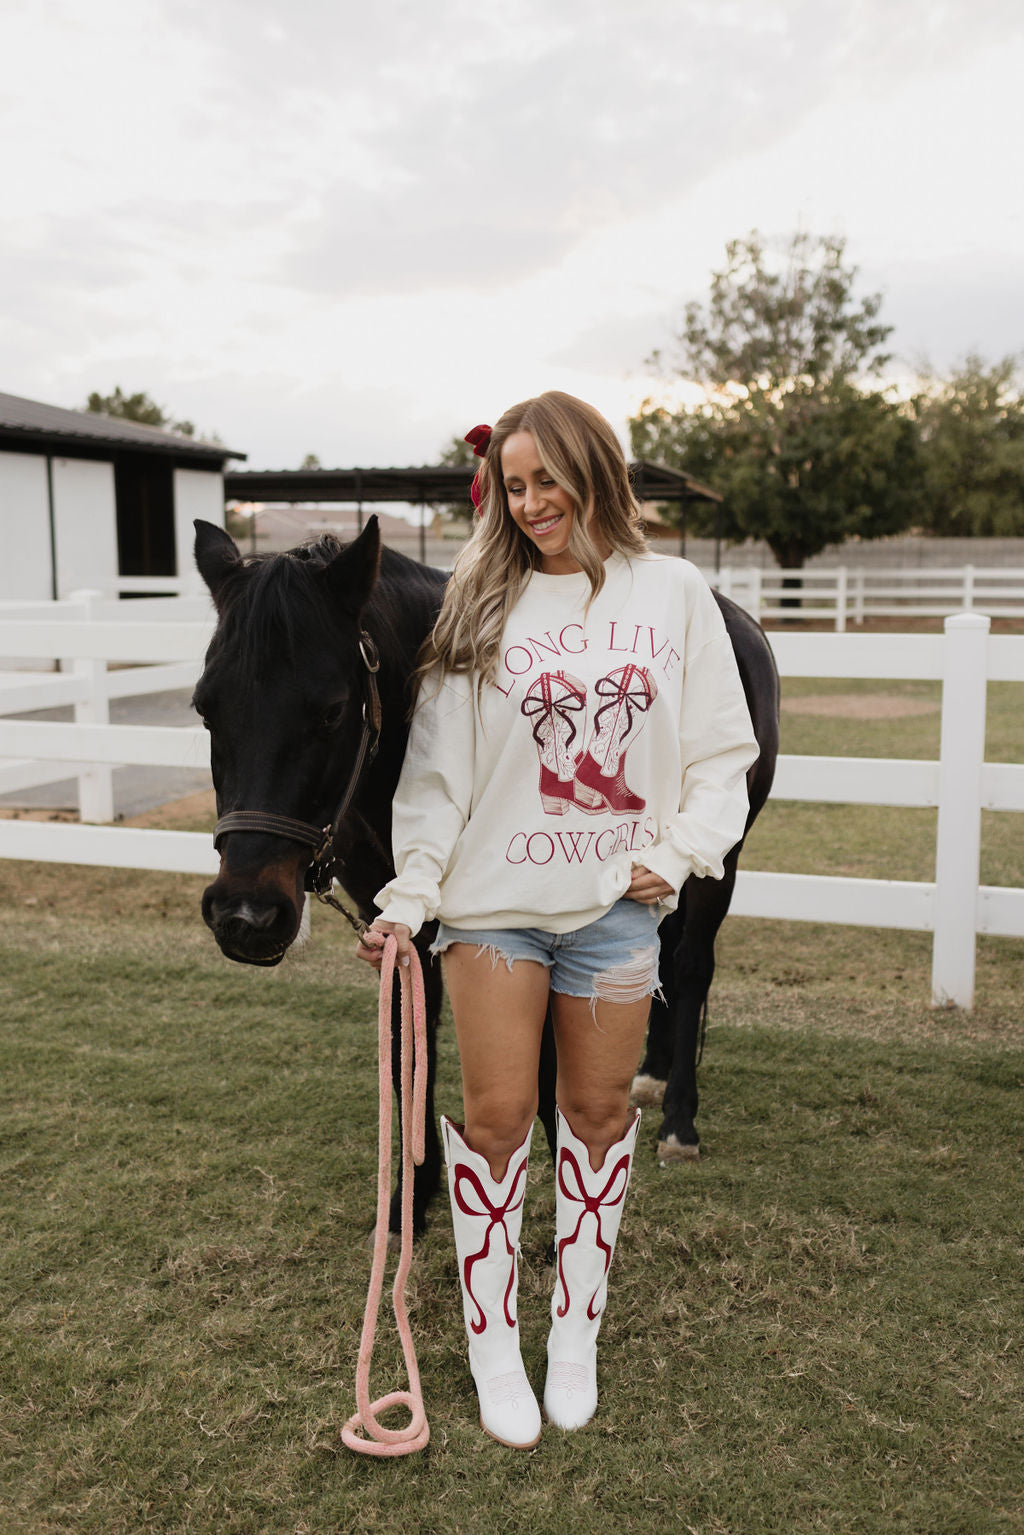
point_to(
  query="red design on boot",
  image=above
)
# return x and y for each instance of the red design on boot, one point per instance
(588, 1212)
(551, 705)
(601, 784)
(487, 1215)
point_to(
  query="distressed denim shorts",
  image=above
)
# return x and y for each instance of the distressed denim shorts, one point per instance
(614, 959)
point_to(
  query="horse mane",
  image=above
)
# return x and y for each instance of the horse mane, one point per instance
(275, 599)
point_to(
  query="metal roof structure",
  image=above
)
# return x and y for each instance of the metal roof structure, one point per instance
(426, 485)
(29, 426)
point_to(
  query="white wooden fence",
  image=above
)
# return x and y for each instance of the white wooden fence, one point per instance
(82, 635)
(844, 596)
(953, 907)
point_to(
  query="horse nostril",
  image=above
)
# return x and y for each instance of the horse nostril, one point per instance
(258, 918)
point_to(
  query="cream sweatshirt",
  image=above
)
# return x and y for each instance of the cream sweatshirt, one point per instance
(612, 735)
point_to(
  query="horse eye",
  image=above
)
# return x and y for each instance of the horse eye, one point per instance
(331, 718)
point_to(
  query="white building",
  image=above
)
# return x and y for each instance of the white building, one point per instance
(90, 501)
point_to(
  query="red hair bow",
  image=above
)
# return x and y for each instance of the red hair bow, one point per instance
(480, 436)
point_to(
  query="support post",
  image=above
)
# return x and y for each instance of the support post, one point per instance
(958, 841)
(96, 783)
(841, 598)
(969, 587)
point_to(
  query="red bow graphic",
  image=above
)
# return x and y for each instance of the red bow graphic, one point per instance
(539, 703)
(592, 1205)
(497, 1213)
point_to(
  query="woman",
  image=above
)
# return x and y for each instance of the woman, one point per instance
(578, 749)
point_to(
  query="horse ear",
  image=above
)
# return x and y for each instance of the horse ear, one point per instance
(352, 574)
(217, 555)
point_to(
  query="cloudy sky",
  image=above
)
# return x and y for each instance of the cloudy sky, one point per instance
(354, 229)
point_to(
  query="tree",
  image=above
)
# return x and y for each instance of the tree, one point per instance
(460, 454)
(805, 453)
(972, 434)
(311, 461)
(137, 407)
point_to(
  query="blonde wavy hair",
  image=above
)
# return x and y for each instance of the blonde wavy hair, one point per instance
(581, 453)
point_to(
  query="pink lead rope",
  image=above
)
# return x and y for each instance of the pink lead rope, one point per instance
(395, 1441)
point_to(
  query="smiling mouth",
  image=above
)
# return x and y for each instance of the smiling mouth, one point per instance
(538, 529)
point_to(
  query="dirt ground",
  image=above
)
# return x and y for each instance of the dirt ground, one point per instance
(859, 706)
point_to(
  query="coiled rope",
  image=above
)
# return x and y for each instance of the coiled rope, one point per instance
(391, 1441)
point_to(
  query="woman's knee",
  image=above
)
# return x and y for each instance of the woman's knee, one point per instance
(597, 1121)
(496, 1128)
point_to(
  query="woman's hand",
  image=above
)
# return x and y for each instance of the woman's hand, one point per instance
(371, 945)
(647, 888)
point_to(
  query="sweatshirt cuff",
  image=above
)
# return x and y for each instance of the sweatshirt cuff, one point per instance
(674, 866)
(405, 909)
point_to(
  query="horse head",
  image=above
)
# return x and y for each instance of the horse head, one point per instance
(282, 695)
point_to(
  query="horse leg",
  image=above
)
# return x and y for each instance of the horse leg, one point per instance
(648, 1088)
(426, 1177)
(546, 1075)
(693, 966)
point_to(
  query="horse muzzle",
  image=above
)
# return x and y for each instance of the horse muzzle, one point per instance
(252, 927)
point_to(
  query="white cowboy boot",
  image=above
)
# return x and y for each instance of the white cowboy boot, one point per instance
(628, 693)
(588, 1209)
(487, 1217)
(551, 705)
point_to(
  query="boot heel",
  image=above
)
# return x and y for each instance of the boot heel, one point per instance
(589, 799)
(553, 806)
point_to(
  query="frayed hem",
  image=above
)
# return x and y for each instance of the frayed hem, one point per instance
(493, 951)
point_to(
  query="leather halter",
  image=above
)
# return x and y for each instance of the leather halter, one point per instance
(320, 874)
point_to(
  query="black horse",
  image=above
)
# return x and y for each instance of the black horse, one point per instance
(312, 659)
(668, 1073)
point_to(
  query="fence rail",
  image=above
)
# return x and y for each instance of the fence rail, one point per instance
(844, 596)
(954, 907)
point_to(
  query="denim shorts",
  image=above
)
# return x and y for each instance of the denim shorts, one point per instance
(614, 959)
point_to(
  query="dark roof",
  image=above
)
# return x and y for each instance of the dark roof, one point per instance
(429, 483)
(30, 424)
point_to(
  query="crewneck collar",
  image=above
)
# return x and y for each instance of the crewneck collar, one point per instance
(578, 580)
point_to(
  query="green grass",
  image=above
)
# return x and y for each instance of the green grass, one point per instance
(876, 841)
(816, 1329)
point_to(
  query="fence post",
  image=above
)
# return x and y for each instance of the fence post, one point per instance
(958, 841)
(841, 601)
(858, 598)
(969, 586)
(755, 604)
(96, 783)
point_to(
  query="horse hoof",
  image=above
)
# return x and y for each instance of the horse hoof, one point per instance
(674, 1150)
(394, 1242)
(646, 1092)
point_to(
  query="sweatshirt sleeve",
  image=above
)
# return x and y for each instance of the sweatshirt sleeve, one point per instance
(433, 798)
(717, 746)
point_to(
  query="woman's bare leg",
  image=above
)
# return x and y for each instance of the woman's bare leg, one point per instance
(499, 1017)
(598, 1051)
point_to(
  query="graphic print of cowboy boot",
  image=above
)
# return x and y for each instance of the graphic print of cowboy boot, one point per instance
(556, 706)
(628, 693)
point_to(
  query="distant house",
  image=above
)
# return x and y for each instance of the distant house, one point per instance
(91, 501)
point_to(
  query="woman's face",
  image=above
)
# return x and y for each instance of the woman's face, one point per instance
(539, 505)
